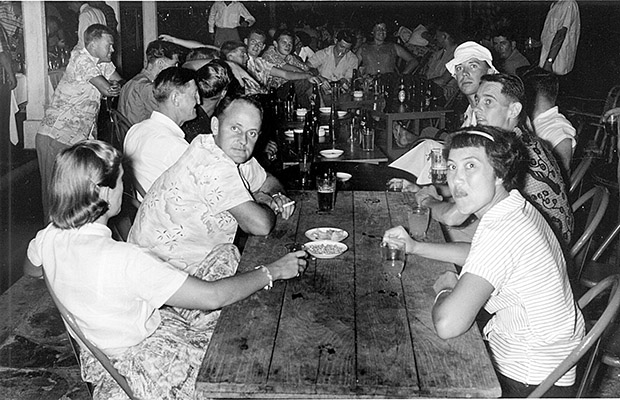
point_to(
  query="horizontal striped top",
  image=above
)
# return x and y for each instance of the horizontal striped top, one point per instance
(537, 322)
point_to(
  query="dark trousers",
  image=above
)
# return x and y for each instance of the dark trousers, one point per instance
(515, 389)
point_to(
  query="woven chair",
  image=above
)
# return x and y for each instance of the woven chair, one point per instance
(591, 339)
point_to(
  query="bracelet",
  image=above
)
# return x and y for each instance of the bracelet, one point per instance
(442, 291)
(270, 284)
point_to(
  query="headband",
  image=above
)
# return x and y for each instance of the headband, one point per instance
(480, 133)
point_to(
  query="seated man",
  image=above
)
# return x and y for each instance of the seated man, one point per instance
(510, 57)
(501, 100)
(199, 201)
(471, 61)
(136, 101)
(236, 56)
(336, 62)
(213, 80)
(281, 55)
(200, 56)
(541, 90)
(264, 71)
(154, 144)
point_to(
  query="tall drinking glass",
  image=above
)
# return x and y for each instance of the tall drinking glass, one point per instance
(326, 191)
(439, 167)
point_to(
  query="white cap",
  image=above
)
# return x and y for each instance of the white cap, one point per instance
(467, 51)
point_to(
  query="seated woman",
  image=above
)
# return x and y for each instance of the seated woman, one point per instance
(116, 289)
(514, 267)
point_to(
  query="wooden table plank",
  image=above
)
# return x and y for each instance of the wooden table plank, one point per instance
(385, 362)
(315, 348)
(345, 328)
(464, 368)
(241, 347)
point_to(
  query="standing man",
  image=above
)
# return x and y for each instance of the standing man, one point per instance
(72, 114)
(560, 37)
(510, 57)
(88, 16)
(136, 101)
(226, 16)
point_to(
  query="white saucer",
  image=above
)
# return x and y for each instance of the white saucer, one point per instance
(331, 153)
(343, 176)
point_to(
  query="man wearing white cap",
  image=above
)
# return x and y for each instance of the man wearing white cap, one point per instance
(471, 61)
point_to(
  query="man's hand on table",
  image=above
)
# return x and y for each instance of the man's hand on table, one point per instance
(279, 203)
(427, 192)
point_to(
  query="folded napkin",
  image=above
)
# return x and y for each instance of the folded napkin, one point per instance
(417, 161)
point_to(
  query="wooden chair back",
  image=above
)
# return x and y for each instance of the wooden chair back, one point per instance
(76, 333)
(592, 338)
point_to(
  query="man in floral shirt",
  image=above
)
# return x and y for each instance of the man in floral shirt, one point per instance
(72, 114)
(215, 187)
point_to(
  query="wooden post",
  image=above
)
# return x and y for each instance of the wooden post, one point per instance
(35, 52)
(149, 22)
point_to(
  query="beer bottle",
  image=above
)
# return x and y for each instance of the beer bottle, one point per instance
(333, 124)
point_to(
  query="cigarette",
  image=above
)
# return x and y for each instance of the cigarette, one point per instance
(290, 203)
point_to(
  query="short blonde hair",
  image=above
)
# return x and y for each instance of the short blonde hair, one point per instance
(79, 173)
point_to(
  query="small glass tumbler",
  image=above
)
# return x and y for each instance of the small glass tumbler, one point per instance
(393, 257)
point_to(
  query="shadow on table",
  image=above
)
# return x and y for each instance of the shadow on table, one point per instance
(364, 176)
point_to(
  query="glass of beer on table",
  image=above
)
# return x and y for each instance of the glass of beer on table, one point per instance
(326, 191)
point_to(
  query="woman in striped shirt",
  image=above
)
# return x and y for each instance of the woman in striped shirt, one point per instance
(514, 267)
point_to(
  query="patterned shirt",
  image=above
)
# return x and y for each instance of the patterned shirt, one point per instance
(260, 68)
(72, 115)
(185, 213)
(273, 56)
(536, 321)
(545, 188)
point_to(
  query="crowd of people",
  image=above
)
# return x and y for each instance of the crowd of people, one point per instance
(198, 111)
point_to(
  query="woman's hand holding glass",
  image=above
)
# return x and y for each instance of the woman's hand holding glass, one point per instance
(290, 266)
(399, 234)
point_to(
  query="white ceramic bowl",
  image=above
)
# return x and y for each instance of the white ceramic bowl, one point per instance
(325, 110)
(301, 112)
(325, 248)
(289, 133)
(343, 176)
(331, 153)
(358, 94)
(341, 114)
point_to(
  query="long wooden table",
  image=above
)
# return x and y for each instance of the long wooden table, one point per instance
(345, 328)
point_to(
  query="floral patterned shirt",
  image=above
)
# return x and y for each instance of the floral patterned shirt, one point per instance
(277, 59)
(185, 213)
(72, 115)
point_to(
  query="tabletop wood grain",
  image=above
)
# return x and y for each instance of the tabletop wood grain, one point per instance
(346, 328)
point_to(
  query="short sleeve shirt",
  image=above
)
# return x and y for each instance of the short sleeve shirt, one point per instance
(72, 115)
(536, 321)
(136, 101)
(260, 68)
(271, 55)
(113, 288)
(185, 213)
(325, 62)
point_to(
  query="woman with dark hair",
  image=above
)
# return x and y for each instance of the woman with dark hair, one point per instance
(514, 268)
(116, 289)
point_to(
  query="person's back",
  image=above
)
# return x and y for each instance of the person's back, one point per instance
(527, 341)
(137, 101)
(154, 144)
